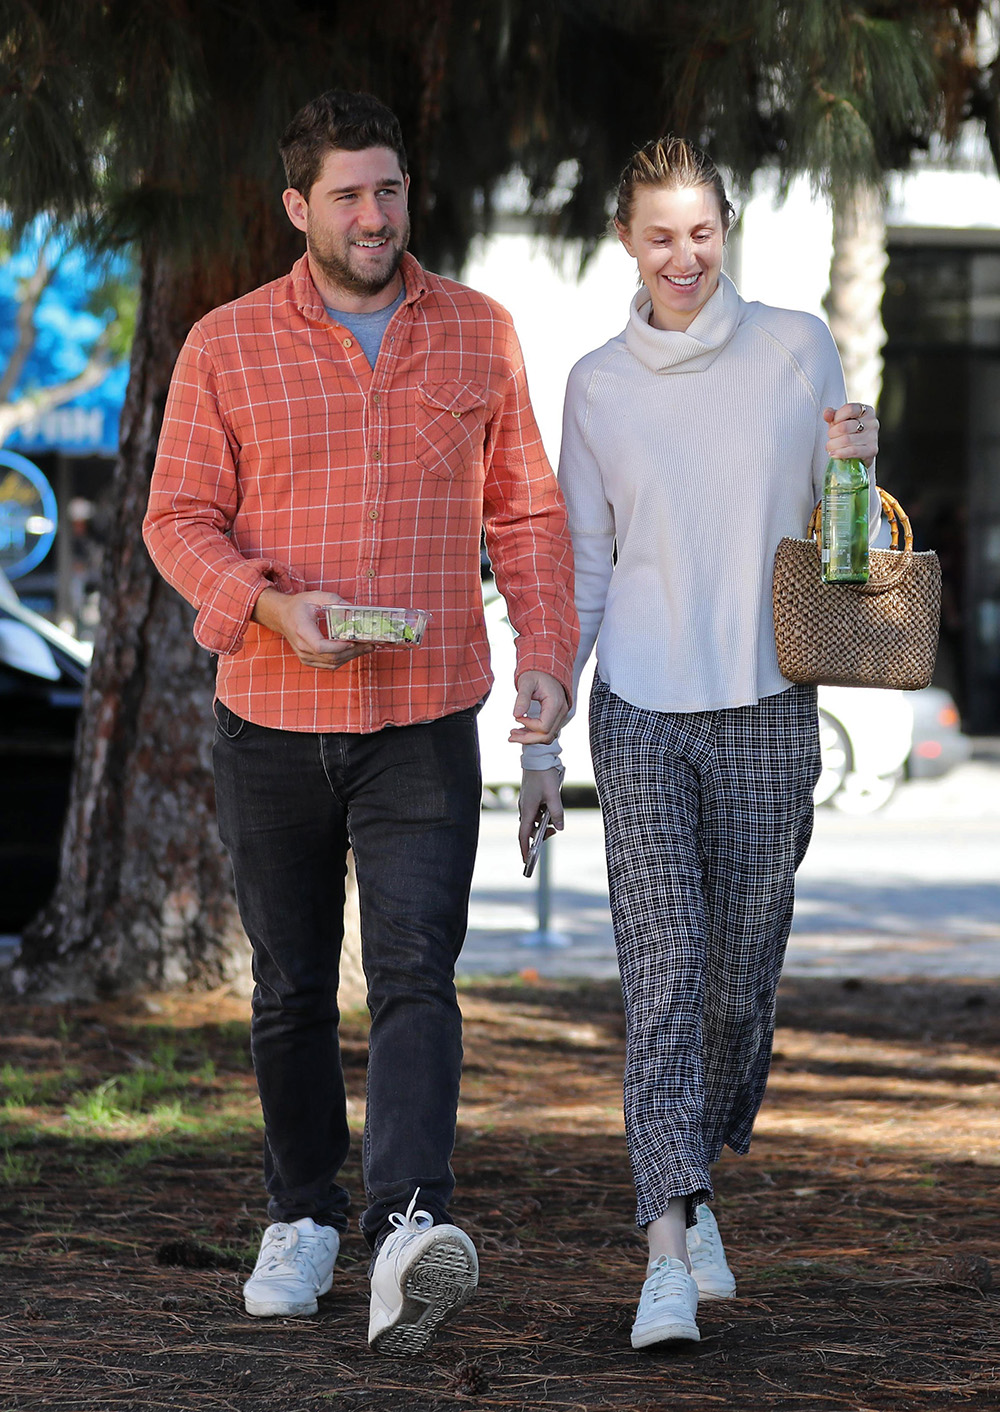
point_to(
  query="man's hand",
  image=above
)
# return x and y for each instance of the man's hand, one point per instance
(293, 615)
(845, 439)
(541, 707)
(538, 788)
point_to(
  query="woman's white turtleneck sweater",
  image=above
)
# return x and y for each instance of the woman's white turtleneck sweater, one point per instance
(693, 453)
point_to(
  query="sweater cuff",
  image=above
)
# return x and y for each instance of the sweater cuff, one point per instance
(542, 757)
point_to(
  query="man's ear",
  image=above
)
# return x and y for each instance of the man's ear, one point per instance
(296, 206)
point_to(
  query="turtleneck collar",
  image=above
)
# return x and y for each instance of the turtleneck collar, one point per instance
(668, 351)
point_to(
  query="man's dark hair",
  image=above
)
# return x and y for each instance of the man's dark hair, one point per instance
(336, 121)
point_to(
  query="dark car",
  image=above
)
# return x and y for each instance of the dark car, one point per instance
(42, 671)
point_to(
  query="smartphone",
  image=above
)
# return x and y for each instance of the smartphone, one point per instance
(537, 839)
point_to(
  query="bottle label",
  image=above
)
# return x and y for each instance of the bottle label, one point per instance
(842, 515)
(844, 546)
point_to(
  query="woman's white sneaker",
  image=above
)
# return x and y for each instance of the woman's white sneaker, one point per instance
(712, 1275)
(667, 1306)
(295, 1265)
(422, 1274)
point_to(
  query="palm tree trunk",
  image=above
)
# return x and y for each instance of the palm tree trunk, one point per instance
(857, 285)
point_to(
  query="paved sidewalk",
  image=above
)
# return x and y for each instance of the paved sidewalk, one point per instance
(912, 891)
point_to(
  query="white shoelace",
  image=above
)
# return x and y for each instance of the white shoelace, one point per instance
(414, 1221)
(287, 1245)
(664, 1281)
(706, 1249)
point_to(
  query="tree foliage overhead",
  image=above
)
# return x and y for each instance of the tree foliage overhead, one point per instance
(162, 115)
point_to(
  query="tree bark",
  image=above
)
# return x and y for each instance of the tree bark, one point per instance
(857, 286)
(144, 897)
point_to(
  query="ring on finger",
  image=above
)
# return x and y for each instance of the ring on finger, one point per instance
(860, 428)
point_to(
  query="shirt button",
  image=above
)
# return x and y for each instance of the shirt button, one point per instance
(375, 398)
(348, 342)
(371, 573)
(373, 514)
(456, 414)
(376, 455)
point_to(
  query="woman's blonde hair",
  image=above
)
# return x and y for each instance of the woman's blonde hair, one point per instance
(673, 163)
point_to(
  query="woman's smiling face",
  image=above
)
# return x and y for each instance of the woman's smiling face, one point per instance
(676, 237)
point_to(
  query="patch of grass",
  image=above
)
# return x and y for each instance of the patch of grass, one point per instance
(228, 1042)
(21, 1089)
(161, 1095)
(97, 1107)
(19, 1167)
(16, 1085)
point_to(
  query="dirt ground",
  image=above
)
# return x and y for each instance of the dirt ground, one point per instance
(863, 1228)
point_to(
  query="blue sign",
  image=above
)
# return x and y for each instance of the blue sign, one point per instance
(87, 426)
(28, 515)
(65, 331)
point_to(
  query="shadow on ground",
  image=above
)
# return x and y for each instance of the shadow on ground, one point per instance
(863, 1226)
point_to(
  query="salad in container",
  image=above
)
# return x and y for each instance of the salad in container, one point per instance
(382, 627)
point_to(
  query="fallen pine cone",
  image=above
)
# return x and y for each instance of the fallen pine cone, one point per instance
(970, 1271)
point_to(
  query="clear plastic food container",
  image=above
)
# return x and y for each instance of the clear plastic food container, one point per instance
(385, 627)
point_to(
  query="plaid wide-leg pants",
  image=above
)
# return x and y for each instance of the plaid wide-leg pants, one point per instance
(707, 815)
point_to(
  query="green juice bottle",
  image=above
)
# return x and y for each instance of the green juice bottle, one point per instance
(844, 541)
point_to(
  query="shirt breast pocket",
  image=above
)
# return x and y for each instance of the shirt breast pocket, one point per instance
(450, 427)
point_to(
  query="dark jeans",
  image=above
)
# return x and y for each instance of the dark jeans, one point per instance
(290, 804)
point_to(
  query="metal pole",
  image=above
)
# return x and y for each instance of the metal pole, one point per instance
(544, 889)
(544, 936)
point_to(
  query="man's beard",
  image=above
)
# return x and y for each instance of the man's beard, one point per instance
(333, 259)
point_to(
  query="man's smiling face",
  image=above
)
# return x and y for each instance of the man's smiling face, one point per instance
(356, 225)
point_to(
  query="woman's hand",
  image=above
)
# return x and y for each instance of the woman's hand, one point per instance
(853, 432)
(538, 789)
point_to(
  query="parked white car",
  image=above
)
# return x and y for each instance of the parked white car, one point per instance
(865, 735)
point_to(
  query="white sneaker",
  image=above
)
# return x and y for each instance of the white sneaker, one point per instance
(295, 1265)
(422, 1274)
(667, 1306)
(712, 1275)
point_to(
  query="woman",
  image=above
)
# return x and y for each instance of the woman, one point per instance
(692, 443)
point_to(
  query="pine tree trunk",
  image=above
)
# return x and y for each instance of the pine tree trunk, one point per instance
(145, 899)
(857, 286)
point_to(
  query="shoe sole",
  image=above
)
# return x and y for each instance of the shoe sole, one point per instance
(437, 1284)
(288, 1309)
(666, 1333)
(717, 1292)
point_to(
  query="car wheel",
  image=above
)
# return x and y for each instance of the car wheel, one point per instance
(835, 756)
(866, 794)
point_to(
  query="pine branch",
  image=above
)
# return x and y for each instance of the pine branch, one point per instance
(35, 404)
(31, 292)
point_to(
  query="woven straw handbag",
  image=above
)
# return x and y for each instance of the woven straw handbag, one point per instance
(880, 633)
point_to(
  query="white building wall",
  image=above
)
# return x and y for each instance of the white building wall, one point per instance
(558, 318)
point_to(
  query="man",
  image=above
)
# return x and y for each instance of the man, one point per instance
(342, 435)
